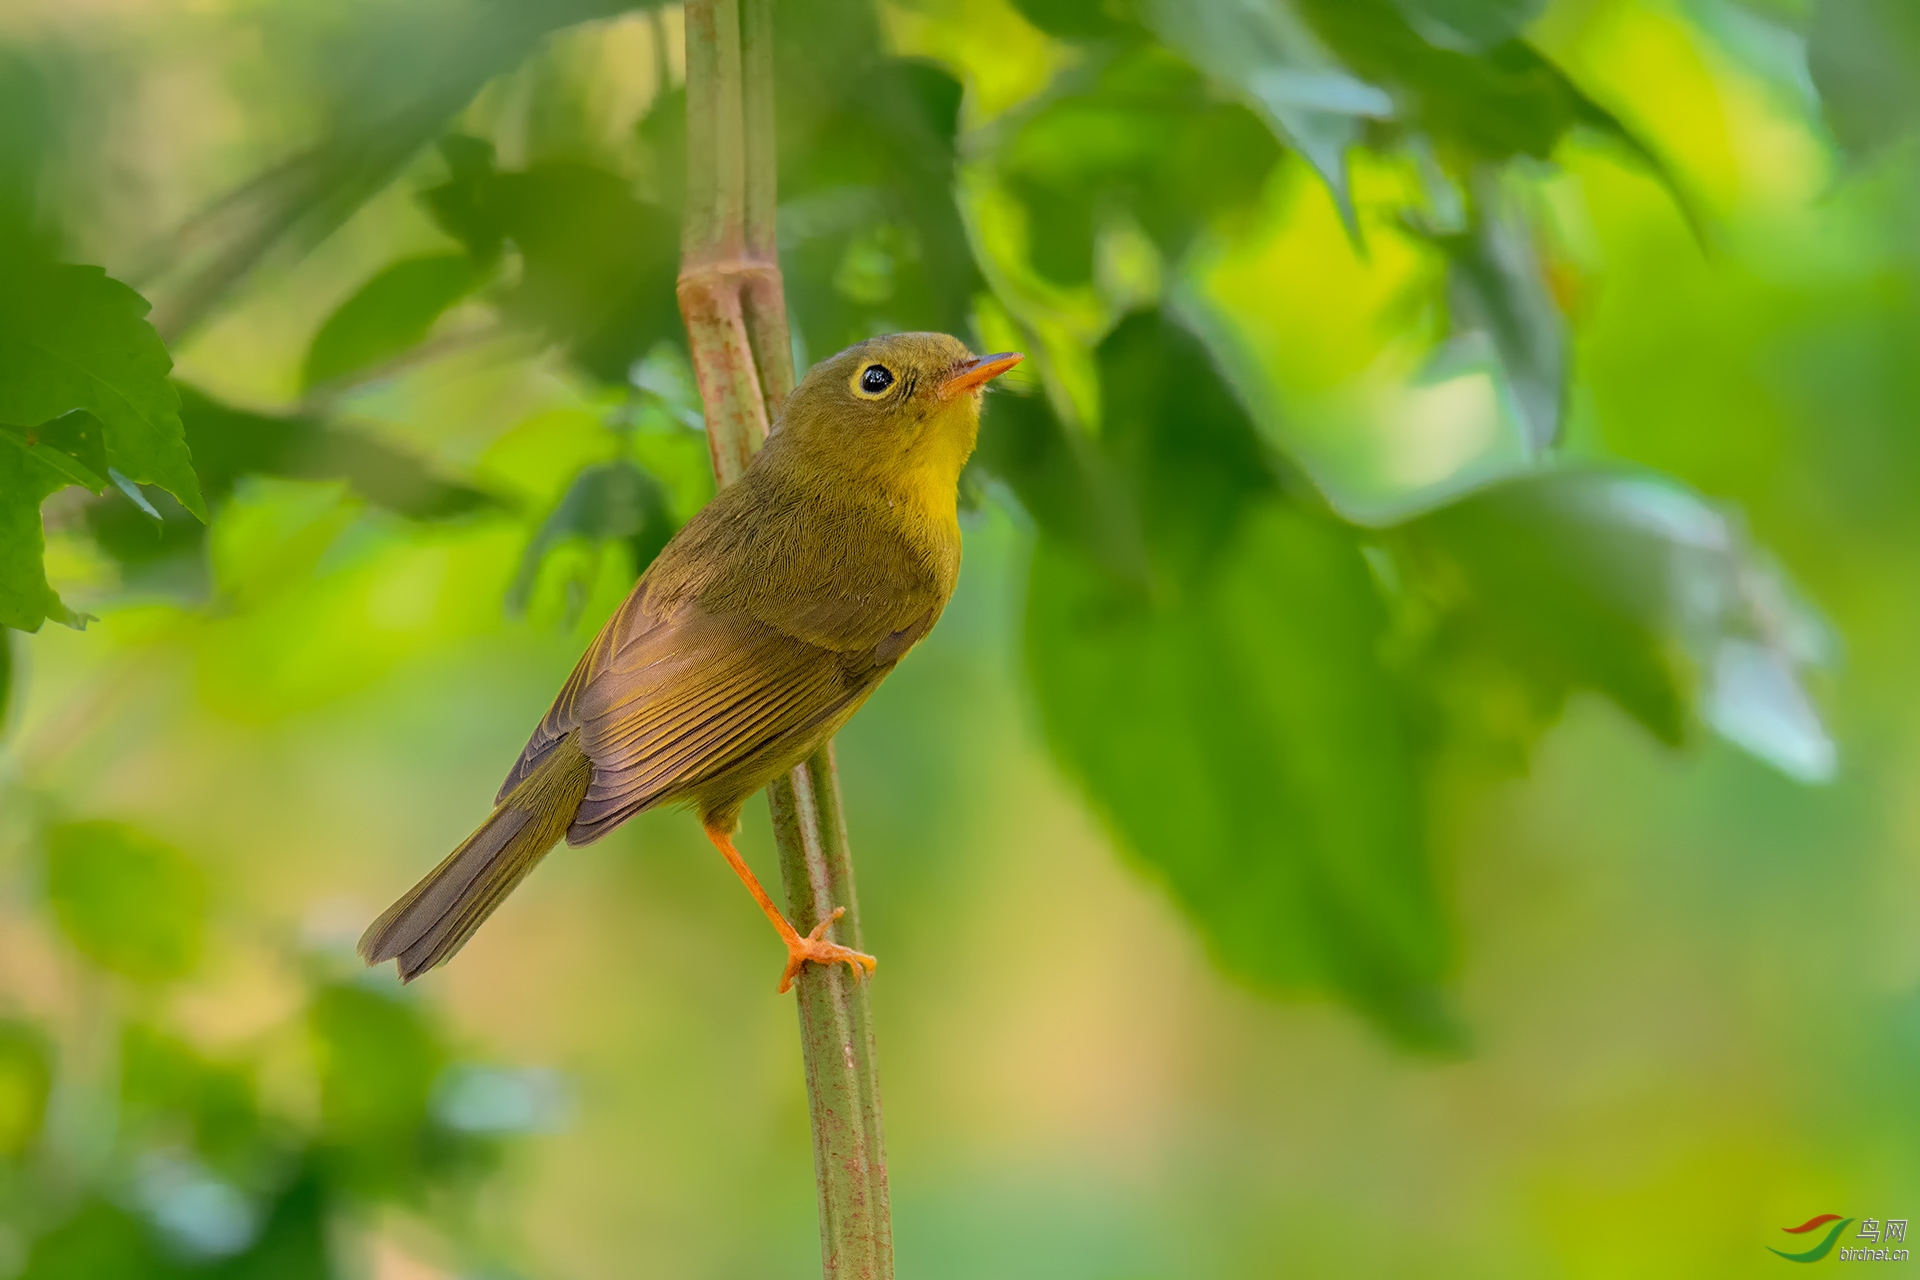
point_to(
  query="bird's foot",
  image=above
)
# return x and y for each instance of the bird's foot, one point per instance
(816, 948)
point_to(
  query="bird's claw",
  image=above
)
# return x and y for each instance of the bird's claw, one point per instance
(816, 948)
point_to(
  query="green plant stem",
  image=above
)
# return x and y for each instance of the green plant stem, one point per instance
(732, 300)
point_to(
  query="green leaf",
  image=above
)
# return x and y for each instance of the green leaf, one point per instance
(378, 1058)
(599, 265)
(1233, 717)
(1140, 131)
(297, 1240)
(25, 598)
(1073, 19)
(870, 237)
(129, 903)
(74, 444)
(463, 204)
(384, 104)
(1278, 65)
(1184, 448)
(73, 338)
(1490, 105)
(606, 502)
(1471, 26)
(101, 1239)
(26, 1078)
(1067, 486)
(388, 315)
(1497, 286)
(230, 443)
(1865, 60)
(1633, 585)
(1246, 743)
(170, 1091)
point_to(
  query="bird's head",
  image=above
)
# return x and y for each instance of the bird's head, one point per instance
(900, 412)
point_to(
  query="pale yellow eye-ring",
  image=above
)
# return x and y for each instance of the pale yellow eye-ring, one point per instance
(873, 381)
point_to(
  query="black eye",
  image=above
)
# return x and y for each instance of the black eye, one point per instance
(875, 378)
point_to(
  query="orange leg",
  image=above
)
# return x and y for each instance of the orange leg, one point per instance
(813, 946)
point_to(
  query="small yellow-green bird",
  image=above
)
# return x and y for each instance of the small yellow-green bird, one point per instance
(752, 638)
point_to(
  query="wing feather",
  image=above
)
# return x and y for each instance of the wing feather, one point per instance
(666, 699)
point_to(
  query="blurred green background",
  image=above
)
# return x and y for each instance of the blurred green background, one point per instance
(1412, 782)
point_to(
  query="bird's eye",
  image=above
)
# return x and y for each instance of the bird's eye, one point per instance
(875, 378)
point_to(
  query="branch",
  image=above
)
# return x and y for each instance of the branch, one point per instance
(732, 300)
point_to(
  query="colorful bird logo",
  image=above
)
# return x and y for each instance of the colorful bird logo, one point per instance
(1825, 1246)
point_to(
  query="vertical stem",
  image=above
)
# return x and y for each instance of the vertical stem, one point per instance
(735, 311)
(764, 298)
(715, 223)
(836, 1030)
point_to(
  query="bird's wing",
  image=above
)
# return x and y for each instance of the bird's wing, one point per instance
(663, 700)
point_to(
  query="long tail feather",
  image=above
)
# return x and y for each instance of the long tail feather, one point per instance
(438, 915)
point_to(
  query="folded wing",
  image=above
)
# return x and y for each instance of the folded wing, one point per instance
(667, 700)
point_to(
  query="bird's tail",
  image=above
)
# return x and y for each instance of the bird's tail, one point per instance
(438, 915)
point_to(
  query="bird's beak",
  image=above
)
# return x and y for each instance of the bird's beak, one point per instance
(977, 373)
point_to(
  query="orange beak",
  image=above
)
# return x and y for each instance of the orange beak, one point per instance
(975, 374)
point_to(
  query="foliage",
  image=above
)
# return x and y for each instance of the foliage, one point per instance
(1257, 682)
(1250, 682)
(1862, 54)
(207, 1172)
(84, 391)
(130, 904)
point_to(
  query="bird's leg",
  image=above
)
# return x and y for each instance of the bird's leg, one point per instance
(813, 946)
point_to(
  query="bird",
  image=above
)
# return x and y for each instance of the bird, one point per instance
(754, 635)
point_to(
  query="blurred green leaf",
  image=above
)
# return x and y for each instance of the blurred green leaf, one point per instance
(599, 265)
(1469, 25)
(1865, 60)
(170, 1092)
(1140, 131)
(37, 89)
(103, 1240)
(378, 1058)
(383, 103)
(1066, 485)
(1234, 718)
(463, 204)
(1272, 57)
(1492, 104)
(1246, 743)
(870, 237)
(127, 902)
(606, 502)
(26, 1079)
(1497, 286)
(297, 1241)
(388, 315)
(1633, 585)
(1184, 450)
(98, 1241)
(73, 338)
(1074, 19)
(230, 443)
